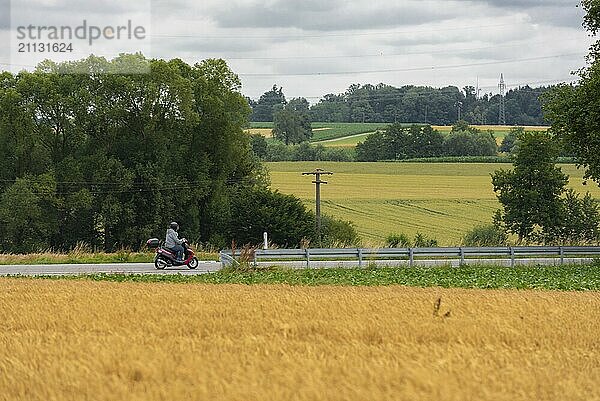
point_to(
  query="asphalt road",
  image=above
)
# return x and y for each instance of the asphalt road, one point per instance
(120, 268)
(207, 267)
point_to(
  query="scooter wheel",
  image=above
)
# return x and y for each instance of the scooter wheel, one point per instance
(160, 263)
(193, 263)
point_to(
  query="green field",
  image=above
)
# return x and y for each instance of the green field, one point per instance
(326, 131)
(351, 134)
(346, 141)
(564, 278)
(443, 200)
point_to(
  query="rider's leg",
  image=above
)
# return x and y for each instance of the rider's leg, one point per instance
(179, 250)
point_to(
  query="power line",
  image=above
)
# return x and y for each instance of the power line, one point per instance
(110, 191)
(383, 55)
(424, 68)
(342, 56)
(410, 69)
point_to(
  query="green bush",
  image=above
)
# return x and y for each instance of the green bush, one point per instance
(488, 235)
(256, 210)
(279, 152)
(469, 143)
(285, 219)
(422, 241)
(259, 145)
(398, 241)
(338, 233)
(463, 159)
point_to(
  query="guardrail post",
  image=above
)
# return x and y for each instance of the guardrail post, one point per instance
(512, 257)
(462, 256)
(562, 255)
(307, 258)
(360, 257)
(254, 255)
(411, 257)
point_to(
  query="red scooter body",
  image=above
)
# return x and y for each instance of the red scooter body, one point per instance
(165, 258)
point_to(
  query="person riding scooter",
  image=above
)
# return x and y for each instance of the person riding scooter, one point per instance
(173, 243)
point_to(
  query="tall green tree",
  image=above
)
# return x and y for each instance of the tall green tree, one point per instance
(510, 139)
(530, 193)
(579, 221)
(376, 147)
(268, 104)
(127, 152)
(109, 159)
(574, 109)
(292, 126)
(28, 212)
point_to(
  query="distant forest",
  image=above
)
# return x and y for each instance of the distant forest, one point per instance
(410, 104)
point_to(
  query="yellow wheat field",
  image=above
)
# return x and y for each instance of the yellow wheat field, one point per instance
(80, 340)
(266, 132)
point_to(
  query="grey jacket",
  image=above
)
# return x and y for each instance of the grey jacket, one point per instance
(172, 239)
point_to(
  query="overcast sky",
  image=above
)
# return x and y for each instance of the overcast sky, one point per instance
(314, 47)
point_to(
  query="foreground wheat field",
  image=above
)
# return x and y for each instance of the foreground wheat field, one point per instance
(84, 340)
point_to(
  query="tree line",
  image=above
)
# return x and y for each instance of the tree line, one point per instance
(108, 159)
(409, 104)
(400, 142)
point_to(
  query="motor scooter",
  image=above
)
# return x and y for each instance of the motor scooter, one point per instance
(166, 258)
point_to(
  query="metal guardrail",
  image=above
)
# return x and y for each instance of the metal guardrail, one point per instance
(229, 257)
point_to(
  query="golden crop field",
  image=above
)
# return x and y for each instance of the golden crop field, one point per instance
(266, 132)
(442, 200)
(85, 340)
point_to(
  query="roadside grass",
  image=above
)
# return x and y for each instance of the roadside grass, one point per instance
(76, 257)
(562, 278)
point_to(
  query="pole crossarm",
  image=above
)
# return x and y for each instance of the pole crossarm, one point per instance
(318, 172)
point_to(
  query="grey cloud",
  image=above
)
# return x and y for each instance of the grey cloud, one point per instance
(487, 55)
(513, 5)
(335, 15)
(210, 45)
(520, 4)
(69, 8)
(557, 16)
(426, 40)
(4, 14)
(472, 38)
(280, 28)
(101, 6)
(550, 12)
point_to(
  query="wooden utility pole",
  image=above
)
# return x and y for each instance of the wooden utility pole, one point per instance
(318, 173)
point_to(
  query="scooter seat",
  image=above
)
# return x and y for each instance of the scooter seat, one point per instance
(170, 252)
